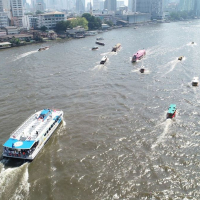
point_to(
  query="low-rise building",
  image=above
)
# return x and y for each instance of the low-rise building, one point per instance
(11, 30)
(75, 31)
(30, 22)
(51, 19)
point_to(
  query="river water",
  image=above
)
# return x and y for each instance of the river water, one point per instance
(115, 141)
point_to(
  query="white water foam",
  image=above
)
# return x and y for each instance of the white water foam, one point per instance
(25, 54)
(173, 64)
(14, 183)
(147, 71)
(99, 67)
(167, 124)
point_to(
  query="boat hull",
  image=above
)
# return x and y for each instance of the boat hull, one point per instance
(195, 83)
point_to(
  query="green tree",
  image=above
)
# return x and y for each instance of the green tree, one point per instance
(110, 23)
(63, 25)
(93, 22)
(43, 28)
(15, 41)
(38, 12)
(80, 21)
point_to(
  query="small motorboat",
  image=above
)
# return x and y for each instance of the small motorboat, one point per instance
(142, 70)
(192, 42)
(95, 48)
(116, 47)
(100, 43)
(171, 111)
(103, 60)
(180, 58)
(195, 81)
(43, 48)
(99, 38)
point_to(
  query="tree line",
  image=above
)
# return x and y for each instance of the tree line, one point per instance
(87, 21)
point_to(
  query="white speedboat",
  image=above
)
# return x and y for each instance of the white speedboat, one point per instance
(29, 138)
(195, 81)
(103, 60)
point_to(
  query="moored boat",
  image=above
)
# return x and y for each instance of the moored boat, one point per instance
(103, 60)
(195, 81)
(171, 111)
(116, 47)
(29, 138)
(100, 43)
(139, 55)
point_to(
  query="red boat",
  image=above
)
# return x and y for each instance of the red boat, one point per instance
(139, 55)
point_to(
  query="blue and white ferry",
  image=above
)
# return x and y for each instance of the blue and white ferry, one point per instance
(29, 138)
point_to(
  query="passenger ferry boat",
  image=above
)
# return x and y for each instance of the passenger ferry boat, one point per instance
(139, 55)
(171, 111)
(195, 81)
(116, 47)
(29, 138)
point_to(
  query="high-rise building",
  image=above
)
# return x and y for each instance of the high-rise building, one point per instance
(80, 6)
(3, 16)
(17, 12)
(197, 7)
(154, 7)
(143, 6)
(157, 9)
(186, 5)
(110, 5)
(96, 5)
(132, 5)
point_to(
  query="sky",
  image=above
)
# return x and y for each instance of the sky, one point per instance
(125, 2)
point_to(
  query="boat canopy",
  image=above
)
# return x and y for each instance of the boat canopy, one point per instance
(44, 114)
(18, 144)
(172, 108)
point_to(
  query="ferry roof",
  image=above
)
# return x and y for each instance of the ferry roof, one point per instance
(172, 108)
(16, 144)
(140, 52)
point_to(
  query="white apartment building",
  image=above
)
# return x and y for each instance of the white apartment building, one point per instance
(3, 19)
(50, 19)
(17, 12)
(29, 22)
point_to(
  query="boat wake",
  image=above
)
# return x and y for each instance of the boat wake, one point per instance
(14, 182)
(190, 44)
(108, 54)
(173, 64)
(166, 125)
(99, 68)
(25, 54)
